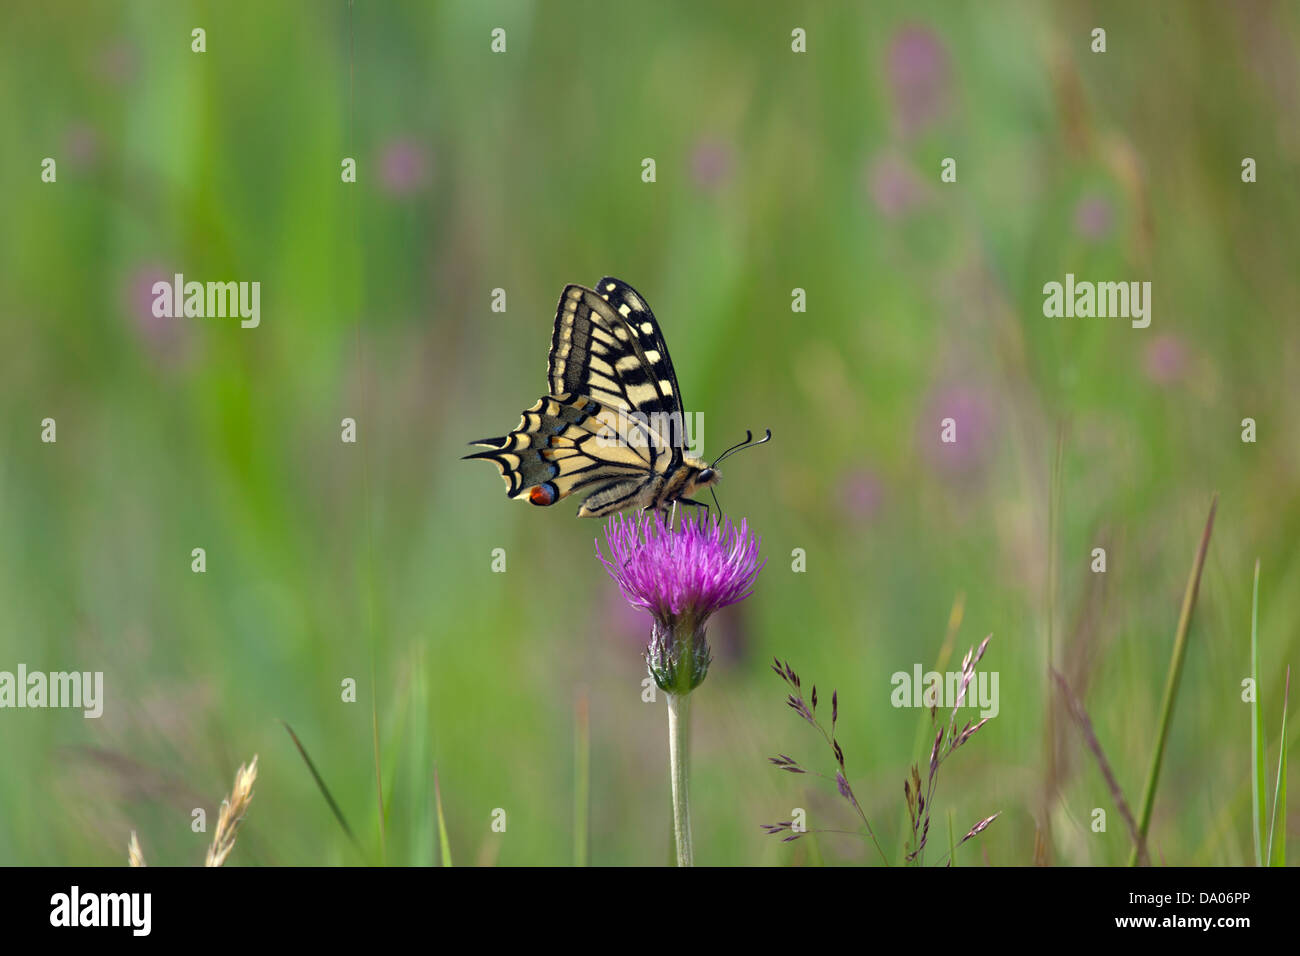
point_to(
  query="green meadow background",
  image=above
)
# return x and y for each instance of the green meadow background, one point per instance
(522, 171)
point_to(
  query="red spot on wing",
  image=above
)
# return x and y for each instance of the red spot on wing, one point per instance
(543, 494)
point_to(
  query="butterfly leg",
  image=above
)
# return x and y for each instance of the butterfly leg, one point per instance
(694, 503)
(663, 511)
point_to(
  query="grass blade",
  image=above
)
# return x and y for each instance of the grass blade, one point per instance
(952, 847)
(418, 780)
(444, 847)
(1256, 730)
(325, 791)
(581, 780)
(1277, 854)
(379, 774)
(1171, 685)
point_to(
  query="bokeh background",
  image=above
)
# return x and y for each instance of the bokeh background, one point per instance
(522, 171)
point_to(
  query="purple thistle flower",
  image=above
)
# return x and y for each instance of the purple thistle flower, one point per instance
(711, 164)
(403, 167)
(681, 577)
(921, 76)
(1165, 359)
(1093, 217)
(895, 189)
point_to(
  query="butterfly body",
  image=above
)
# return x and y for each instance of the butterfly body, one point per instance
(681, 483)
(612, 426)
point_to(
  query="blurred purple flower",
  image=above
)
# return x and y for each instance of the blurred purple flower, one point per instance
(1093, 217)
(711, 164)
(971, 410)
(81, 144)
(1165, 359)
(403, 167)
(920, 76)
(894, 188)
(118, 61)
(681, 577)
(861, 492)
(164, 338)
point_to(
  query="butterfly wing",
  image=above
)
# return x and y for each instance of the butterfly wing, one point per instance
(607, 344)
(612, 425)
(571, 443)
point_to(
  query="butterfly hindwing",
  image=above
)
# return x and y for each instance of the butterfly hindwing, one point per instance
(570, 443)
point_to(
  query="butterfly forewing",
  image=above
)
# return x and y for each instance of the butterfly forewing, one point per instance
(612, 425)
(607, 345)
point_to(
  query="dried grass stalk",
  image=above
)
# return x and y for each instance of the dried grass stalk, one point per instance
(133, 852)
(232, 814)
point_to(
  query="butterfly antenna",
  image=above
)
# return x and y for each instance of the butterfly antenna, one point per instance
(741, 446)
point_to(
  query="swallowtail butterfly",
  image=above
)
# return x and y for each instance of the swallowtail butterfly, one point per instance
(612, 425)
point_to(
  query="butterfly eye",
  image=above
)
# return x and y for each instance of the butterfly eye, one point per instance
(705, 476)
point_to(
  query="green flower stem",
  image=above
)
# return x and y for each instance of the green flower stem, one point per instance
(678, 734)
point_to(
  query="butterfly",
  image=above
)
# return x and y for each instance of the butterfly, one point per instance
(612, 425)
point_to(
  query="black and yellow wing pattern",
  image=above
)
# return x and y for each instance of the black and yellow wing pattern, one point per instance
(607, 344)
(612, 425)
